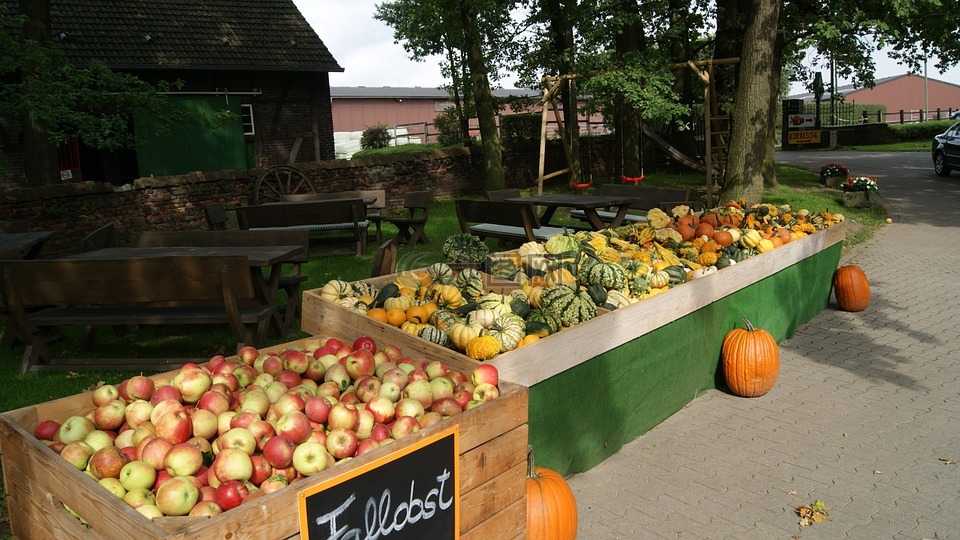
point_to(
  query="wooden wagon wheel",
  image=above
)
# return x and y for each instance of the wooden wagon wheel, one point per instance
(278, 181)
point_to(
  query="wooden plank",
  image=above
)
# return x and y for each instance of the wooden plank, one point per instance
(511, 522)
(484, 462)
(573, 345)
(499, 492)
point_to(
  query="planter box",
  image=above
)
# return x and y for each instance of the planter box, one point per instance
(492, 460)
(637, 365)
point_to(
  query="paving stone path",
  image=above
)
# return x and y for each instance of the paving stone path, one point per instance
(865, 415)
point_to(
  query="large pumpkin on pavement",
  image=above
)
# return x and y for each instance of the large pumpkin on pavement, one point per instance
(851, 288)
(551, 507)
(751, 360)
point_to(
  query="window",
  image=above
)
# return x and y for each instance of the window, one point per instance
(246, 118)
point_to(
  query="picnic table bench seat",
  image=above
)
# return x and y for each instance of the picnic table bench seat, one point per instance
(646, 198)
(507, 221)
(347, 216)
(43, 295)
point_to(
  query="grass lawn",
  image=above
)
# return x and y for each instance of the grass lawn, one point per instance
(798, 187)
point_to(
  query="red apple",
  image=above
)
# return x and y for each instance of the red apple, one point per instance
(366, 445)
(230, 494)
(107, 462)
(317, 409)
(261, 469)
(105, 393)
(206, 508)
(278, 451)
(247, 354)
(232, 464)
(404, 425)
(184, 459)
(343, 415)
(110, 415)
(296, 361)
(446, 406)
(47, 430)
(166, 391)
(342, 443)
(140, 387)
(295, 425)
(382, 409)
(365, 342)
(289, 377)
(154, 451)
(485, 373)
(175, 427)
(360, 362)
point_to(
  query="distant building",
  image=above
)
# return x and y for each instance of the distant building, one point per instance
(901, 92)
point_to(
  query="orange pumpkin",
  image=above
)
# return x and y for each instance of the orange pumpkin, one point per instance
(751, 360)
(705, 229)
(851, 288)
(711, 218)
(686, 229)
(723, 238)
(551, 507)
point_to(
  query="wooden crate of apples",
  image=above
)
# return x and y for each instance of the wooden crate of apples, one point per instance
(224, 448)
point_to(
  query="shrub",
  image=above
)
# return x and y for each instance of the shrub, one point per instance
(447, 125)
(375, 137)
(516, 129)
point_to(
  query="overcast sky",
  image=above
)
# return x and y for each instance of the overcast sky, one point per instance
(364, 47)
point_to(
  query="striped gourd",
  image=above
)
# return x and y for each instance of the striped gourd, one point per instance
(542, 323)
(571, 307)
(470, 283)
(608, 275)
(508, 330)
(440, 273)
(435, 335)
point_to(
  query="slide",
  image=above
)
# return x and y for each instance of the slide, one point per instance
(673, 151)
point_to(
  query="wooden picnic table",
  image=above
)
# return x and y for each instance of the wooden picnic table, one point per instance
(23, 245)
(589, 204)
(260, 258)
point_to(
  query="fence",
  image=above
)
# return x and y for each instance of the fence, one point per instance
(847, 114)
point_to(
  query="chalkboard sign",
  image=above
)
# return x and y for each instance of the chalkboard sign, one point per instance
(412, 493)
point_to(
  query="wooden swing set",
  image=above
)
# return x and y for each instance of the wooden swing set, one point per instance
(716, 130)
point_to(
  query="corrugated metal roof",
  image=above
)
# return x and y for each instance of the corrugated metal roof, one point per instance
(415, 92)
(267, 35)
(847, 88)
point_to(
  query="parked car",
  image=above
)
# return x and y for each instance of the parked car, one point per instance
(955, 115)
(946, 151)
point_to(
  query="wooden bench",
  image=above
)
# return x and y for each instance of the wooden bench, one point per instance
(190, 290)
(508, 221)
(289, 282)
(645, 198)
(330, 219)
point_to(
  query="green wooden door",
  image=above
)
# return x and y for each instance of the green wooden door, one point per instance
(206, 141)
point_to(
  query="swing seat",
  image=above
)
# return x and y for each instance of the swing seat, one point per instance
(631, 180)
(578, 188)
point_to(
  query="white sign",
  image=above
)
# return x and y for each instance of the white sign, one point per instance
(801, 121)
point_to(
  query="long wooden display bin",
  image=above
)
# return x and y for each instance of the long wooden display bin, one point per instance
(39, 484)
(637, 365)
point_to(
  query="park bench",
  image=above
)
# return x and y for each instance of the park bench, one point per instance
(645, 198)
(182, 290)
(507, 221)
(328, 219)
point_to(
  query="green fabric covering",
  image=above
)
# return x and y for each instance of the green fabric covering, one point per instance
(585, 414)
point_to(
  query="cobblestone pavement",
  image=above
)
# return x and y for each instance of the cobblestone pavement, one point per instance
(865, 415)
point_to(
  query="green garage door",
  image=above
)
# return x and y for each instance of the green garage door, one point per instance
(193, 145)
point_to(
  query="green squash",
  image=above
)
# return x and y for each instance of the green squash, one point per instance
(390, 290)
(562, 243)
(571, 307)
(435, 335)
(440, 273)
(542, 323)
(597, 293)
(508, 330)
(607, 275)
(677, 273)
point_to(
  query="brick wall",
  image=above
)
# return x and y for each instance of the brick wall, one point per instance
(176, 202)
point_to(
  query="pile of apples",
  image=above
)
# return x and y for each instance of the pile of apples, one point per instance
(217, 435)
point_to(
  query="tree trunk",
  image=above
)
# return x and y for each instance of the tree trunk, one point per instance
(683, 139)
(752, 111)
(561, 35)
(483, 97)
(631, 39)
(41, 162)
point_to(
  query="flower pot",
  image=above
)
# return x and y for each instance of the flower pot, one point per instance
(856, 199)
(833, 181)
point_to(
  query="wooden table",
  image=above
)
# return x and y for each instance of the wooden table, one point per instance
(25, 245)
(589, 204)
(259, 257)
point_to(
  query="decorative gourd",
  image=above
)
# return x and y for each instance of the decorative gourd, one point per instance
(634, 267)
(448, 296)
(470, 283)
(508, 330)
(363, 288)
(408, 279)
(551, 506)
(751, 360)
(520, 306)
(435, 335)
(700, 272)
(707, 258)
(765, 245)
(336, 289)
(414, 328)
(640, 285)
(482, 347)
(389, 290)
(615, 300)
(402, 302)
(677, 274)
(723, 238)
(440, 273)
(484, 317)
(851, 288)
(353, 304)
(444, 319)
(535, 296)
(542, 323)
(531, 248)
(558, 277)
(608, 275)
(562, 243)
(570, 306)
(597, 293)
(493, 300)
(501, 267)
(750, 238)
(723, 261)
(462, 332)
(659, 279)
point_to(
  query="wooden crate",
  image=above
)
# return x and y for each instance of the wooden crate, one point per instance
(493, 446)
(578, 344)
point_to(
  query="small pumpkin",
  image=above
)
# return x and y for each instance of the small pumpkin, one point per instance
(335, 289)
(462, 332)
(551, 506)
(851, 288)
(751, 360)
